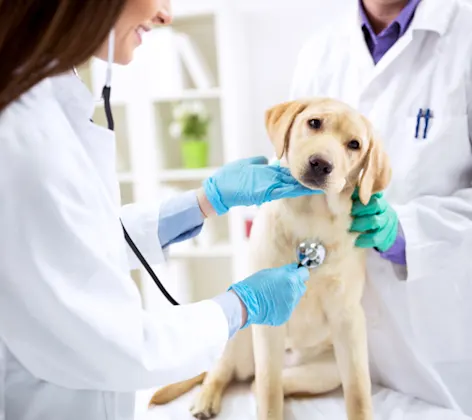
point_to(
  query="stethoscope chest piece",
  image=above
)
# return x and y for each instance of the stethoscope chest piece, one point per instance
(311, 254)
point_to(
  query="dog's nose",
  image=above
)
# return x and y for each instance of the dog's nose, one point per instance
(320, 167)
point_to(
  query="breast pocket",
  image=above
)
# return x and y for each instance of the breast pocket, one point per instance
(429, 160)
(438, 165)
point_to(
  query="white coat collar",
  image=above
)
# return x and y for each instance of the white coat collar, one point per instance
(431, 15)
(78, 105)
(434, 16)
(75, 98)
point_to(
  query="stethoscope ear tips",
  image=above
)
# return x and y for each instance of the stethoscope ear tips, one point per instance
(311, 254)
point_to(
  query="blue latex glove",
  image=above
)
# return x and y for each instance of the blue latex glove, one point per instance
(271, 295)
(377, 222)
(250, 182)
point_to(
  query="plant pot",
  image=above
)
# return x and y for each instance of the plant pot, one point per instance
(194, 153)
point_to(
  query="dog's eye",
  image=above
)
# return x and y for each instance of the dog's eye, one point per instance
(315, 123)
(354, 145)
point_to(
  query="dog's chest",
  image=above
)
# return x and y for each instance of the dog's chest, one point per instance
(331, 231)
(308, 326)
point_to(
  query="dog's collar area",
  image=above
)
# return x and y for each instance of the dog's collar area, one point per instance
(311, 254)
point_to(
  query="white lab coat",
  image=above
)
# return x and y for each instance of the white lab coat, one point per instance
(75, 342)
(420, 319)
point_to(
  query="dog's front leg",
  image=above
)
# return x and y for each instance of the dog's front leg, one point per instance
(350, 345)
(269, 351)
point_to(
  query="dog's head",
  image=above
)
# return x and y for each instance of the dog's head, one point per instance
(328, 145)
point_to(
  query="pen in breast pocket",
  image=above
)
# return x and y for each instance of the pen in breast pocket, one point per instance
(427, 117)
(418, 122)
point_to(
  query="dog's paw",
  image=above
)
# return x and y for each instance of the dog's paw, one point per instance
(207, 405)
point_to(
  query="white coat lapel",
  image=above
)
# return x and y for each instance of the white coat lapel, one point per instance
(99, 143)
(102, 146)
(367, 71)
(393, 54)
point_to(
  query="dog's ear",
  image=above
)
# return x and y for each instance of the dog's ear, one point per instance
(377, 172)
(279, 120)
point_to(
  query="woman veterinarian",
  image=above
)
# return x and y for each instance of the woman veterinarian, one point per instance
(75, 342)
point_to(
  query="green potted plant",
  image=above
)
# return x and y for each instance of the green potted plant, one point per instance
(190, 125)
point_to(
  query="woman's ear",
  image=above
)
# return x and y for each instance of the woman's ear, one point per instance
(279, 120)
(376, 173)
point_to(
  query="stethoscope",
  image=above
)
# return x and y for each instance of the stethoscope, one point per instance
(106, 95)
(310, 253)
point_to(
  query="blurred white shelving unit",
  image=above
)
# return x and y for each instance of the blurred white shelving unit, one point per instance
(190, 94)
(148, 158)
(216, 251)
(186, 174)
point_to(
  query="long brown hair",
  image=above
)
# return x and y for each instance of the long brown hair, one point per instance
(42, 38)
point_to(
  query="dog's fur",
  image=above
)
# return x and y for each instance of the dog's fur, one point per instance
(324, 344)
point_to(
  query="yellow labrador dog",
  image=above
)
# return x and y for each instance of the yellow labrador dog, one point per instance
(327, 145)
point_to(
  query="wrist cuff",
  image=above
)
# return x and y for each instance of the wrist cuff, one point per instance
(245, 295)
(214, 197)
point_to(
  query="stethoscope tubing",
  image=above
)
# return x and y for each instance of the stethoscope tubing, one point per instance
(106, 93)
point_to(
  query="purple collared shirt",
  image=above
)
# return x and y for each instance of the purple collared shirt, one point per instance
(378, 45)
(381, 43)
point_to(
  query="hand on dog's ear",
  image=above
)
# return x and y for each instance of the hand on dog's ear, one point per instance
(279, 120)
(377, 173)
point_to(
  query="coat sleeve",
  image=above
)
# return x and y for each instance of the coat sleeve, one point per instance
(141, 221)
(154, 227)
(69, 311)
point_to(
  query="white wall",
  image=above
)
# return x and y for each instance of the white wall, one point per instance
(276, 30)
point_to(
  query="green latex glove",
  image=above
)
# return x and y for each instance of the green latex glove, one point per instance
(377, 222)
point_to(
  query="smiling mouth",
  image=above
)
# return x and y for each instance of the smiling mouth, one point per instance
(141, 30)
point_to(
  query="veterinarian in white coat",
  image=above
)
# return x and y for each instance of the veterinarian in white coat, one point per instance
(75, 342)
(412, 76)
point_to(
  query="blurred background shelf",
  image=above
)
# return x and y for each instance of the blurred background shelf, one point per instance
(127, 193)
(190, 14)
(190, 94)
(126, 177)
(186, 174)
(214, 251)
(100, 105)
